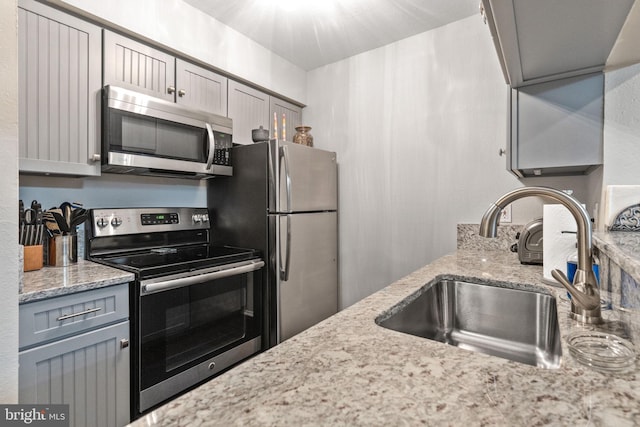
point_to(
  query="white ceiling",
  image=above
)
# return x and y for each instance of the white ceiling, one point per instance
(312, 33)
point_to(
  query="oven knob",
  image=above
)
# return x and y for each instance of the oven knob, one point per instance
(205, 217)
(115, 221)
(102, 223)
(196, 218)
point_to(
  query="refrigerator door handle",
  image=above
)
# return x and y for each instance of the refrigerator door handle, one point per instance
(287, 176)
(284, 272)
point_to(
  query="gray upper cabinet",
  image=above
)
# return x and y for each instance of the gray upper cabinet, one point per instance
(59, 92)
(200, 88)
(249, 109)
(138, 67)
(557, 127)
(142, 68)
(293, 115)
(545, 40)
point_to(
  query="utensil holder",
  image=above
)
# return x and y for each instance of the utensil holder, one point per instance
(33, 259)
(63, 250)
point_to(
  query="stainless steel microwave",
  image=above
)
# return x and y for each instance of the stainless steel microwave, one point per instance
(144, 135)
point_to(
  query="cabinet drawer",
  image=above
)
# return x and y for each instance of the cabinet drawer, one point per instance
(58, 317)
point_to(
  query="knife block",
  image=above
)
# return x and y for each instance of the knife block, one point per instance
(33, 259)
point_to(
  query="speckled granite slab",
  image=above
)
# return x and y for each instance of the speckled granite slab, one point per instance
(56, 281)
(619, 254)
(348, 371)
(623, 248)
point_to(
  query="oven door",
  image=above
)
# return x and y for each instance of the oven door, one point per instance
(195, 325)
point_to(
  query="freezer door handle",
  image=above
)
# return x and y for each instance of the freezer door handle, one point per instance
(287, 175)
(284, 272)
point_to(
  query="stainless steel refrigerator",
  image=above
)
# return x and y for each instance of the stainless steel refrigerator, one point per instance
(282, 199)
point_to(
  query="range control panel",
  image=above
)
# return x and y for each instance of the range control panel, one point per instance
(156, 218)
(119, 221)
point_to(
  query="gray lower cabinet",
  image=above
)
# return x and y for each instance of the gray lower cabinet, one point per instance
(142, 68)
(89, 372)
(74, 350)
(59, 91)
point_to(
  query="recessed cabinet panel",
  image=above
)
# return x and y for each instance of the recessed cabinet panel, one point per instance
(138, 67)
(249, 109)
(200, 88)
(293, 115)
(89, 372)
(557, 127)
(59, 86)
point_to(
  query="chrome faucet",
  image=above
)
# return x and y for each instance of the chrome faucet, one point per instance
(585, 298)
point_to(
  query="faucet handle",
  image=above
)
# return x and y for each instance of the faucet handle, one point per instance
(588, 300)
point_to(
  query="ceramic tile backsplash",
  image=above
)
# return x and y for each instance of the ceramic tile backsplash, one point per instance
(468, 237)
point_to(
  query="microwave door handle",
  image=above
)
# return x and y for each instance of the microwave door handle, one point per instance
(212, 144)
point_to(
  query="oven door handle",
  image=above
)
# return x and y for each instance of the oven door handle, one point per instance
(167, 285)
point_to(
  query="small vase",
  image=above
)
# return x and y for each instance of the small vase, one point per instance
(302, 136)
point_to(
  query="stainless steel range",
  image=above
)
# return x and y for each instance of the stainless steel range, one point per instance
(196, 309)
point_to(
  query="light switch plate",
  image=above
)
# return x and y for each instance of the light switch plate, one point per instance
(505, 215)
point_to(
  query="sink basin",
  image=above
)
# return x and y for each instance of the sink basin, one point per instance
(515, 324)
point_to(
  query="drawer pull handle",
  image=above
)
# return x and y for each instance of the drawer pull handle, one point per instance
(82, 313)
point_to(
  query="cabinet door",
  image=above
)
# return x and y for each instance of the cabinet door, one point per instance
(59, 92)
(249, 109)
(90, 372)
(138, 67)
(200, 88)
(293, 115)
(557, 127)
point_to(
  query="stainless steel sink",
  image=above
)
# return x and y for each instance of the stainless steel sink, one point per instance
(515, 324)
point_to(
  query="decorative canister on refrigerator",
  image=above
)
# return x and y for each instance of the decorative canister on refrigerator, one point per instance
(303, 137)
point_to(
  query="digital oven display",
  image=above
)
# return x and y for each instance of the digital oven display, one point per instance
(155, 219)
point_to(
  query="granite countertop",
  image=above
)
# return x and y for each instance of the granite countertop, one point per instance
(623, 248)
(348, 370)
(84, 275)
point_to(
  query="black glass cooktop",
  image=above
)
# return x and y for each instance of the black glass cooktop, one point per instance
(171, 260)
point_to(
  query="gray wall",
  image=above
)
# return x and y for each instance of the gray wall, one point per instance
(417, 126)
(9, 202)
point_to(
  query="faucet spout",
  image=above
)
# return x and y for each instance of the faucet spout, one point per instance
(585, 298)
